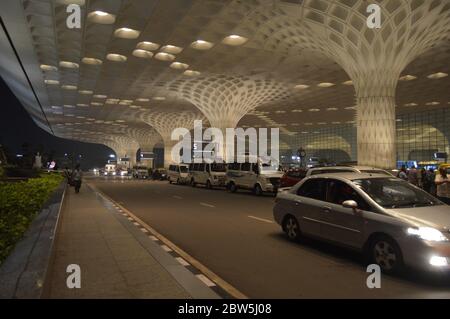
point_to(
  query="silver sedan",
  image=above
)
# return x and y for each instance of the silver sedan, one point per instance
(393, 222)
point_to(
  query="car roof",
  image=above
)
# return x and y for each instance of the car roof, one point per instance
(368, 168)
(350, 176)
(333, 167)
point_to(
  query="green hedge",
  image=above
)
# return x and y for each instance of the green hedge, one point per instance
(19, 204)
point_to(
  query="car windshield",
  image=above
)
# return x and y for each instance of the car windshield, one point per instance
(218, 167)
(183, 169)
(395, 193)
(270, 167)
(375, 171)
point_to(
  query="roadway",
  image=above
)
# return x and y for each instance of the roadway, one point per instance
(234, 236)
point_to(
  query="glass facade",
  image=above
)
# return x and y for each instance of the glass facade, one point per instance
(419, 136)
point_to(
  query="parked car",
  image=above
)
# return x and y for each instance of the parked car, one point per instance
(140, 172)
(159, 174)
(210, 175)
(178, 174)
(259, 177)
(292, 177)
(393, 222)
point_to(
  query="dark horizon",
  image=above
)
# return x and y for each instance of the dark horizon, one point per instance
(17, 128)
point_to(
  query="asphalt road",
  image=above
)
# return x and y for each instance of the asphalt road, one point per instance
(234, 235)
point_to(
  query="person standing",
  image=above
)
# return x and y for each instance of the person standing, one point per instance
(443, 186)
(77, 176)
(402, 174)
(413, 176)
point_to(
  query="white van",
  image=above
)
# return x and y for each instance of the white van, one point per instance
(110, 170)
(258, 177)
(178, 174)
(210, 175)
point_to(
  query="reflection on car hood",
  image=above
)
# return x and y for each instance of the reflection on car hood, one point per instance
(270, 174)
(431, 216)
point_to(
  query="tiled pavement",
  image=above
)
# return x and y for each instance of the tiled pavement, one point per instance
(116, 261)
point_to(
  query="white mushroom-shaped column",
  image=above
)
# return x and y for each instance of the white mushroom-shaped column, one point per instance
(373, 58)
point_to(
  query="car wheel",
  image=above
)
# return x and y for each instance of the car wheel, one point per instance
(257, 190)
(233, 187)
(386, 253)
(208, 184)
(292, 228)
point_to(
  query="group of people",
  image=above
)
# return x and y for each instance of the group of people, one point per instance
(74, 177)
(435, 183)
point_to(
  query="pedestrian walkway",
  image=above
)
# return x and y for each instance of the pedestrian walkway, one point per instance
(116, 259)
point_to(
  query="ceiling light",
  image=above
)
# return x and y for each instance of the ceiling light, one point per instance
(69, 87)
(191, 73)
(297, 111)
(314, 110)
(45, 67)
(350, 108)
(321, 123)
(127, 33)
(116, 57)
(301, 87)
(91, 61)
(86, 92)
(349, 82)
(171, 49)
(201, 45)
(234, 40)
(432, 103)
(99, 96)
(438, 75)
(408, 77)
(162, 56)
(332, 109)
(69, 106)
(56, 107)
(142, 54)
(69, 65)
(82, 105)
(179, 66)
(159, 98)
(335, 122)
(101, 17)
(325, 85)
(411, 104)
(143, 100)
(148, 46)
(308, 124)
(51, 82)
(112, 101)
(120, 121)
(134, 107)
(96, 104)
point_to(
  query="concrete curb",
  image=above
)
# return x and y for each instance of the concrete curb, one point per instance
(22, 275)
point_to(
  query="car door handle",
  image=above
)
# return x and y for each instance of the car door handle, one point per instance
(326, 209)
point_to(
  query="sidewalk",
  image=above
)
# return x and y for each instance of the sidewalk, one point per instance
(117, 259)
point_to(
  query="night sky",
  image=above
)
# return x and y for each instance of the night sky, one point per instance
(17, 128)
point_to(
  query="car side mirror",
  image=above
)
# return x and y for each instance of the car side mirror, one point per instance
(350, 204)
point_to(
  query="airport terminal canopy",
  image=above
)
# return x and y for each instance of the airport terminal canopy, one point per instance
(133, 70)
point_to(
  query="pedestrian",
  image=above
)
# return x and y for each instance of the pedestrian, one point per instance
(77, 177)
(413, 176)
(431, 175)
(68, 176)
(443, 186)
(402, 174)
(427, 180)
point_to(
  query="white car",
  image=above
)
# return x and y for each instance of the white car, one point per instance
(178, 174)
(210, 175)
(258, 177)
(347, 169)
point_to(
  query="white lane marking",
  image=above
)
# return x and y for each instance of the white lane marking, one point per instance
(182, 261)
(207, 205)
(177, 197)
(153, 238)
(166, 248)
(262, 219)
(205, 280)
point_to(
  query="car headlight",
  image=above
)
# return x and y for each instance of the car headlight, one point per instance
(427, 233)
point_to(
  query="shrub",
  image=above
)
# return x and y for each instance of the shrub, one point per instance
(19, 204)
